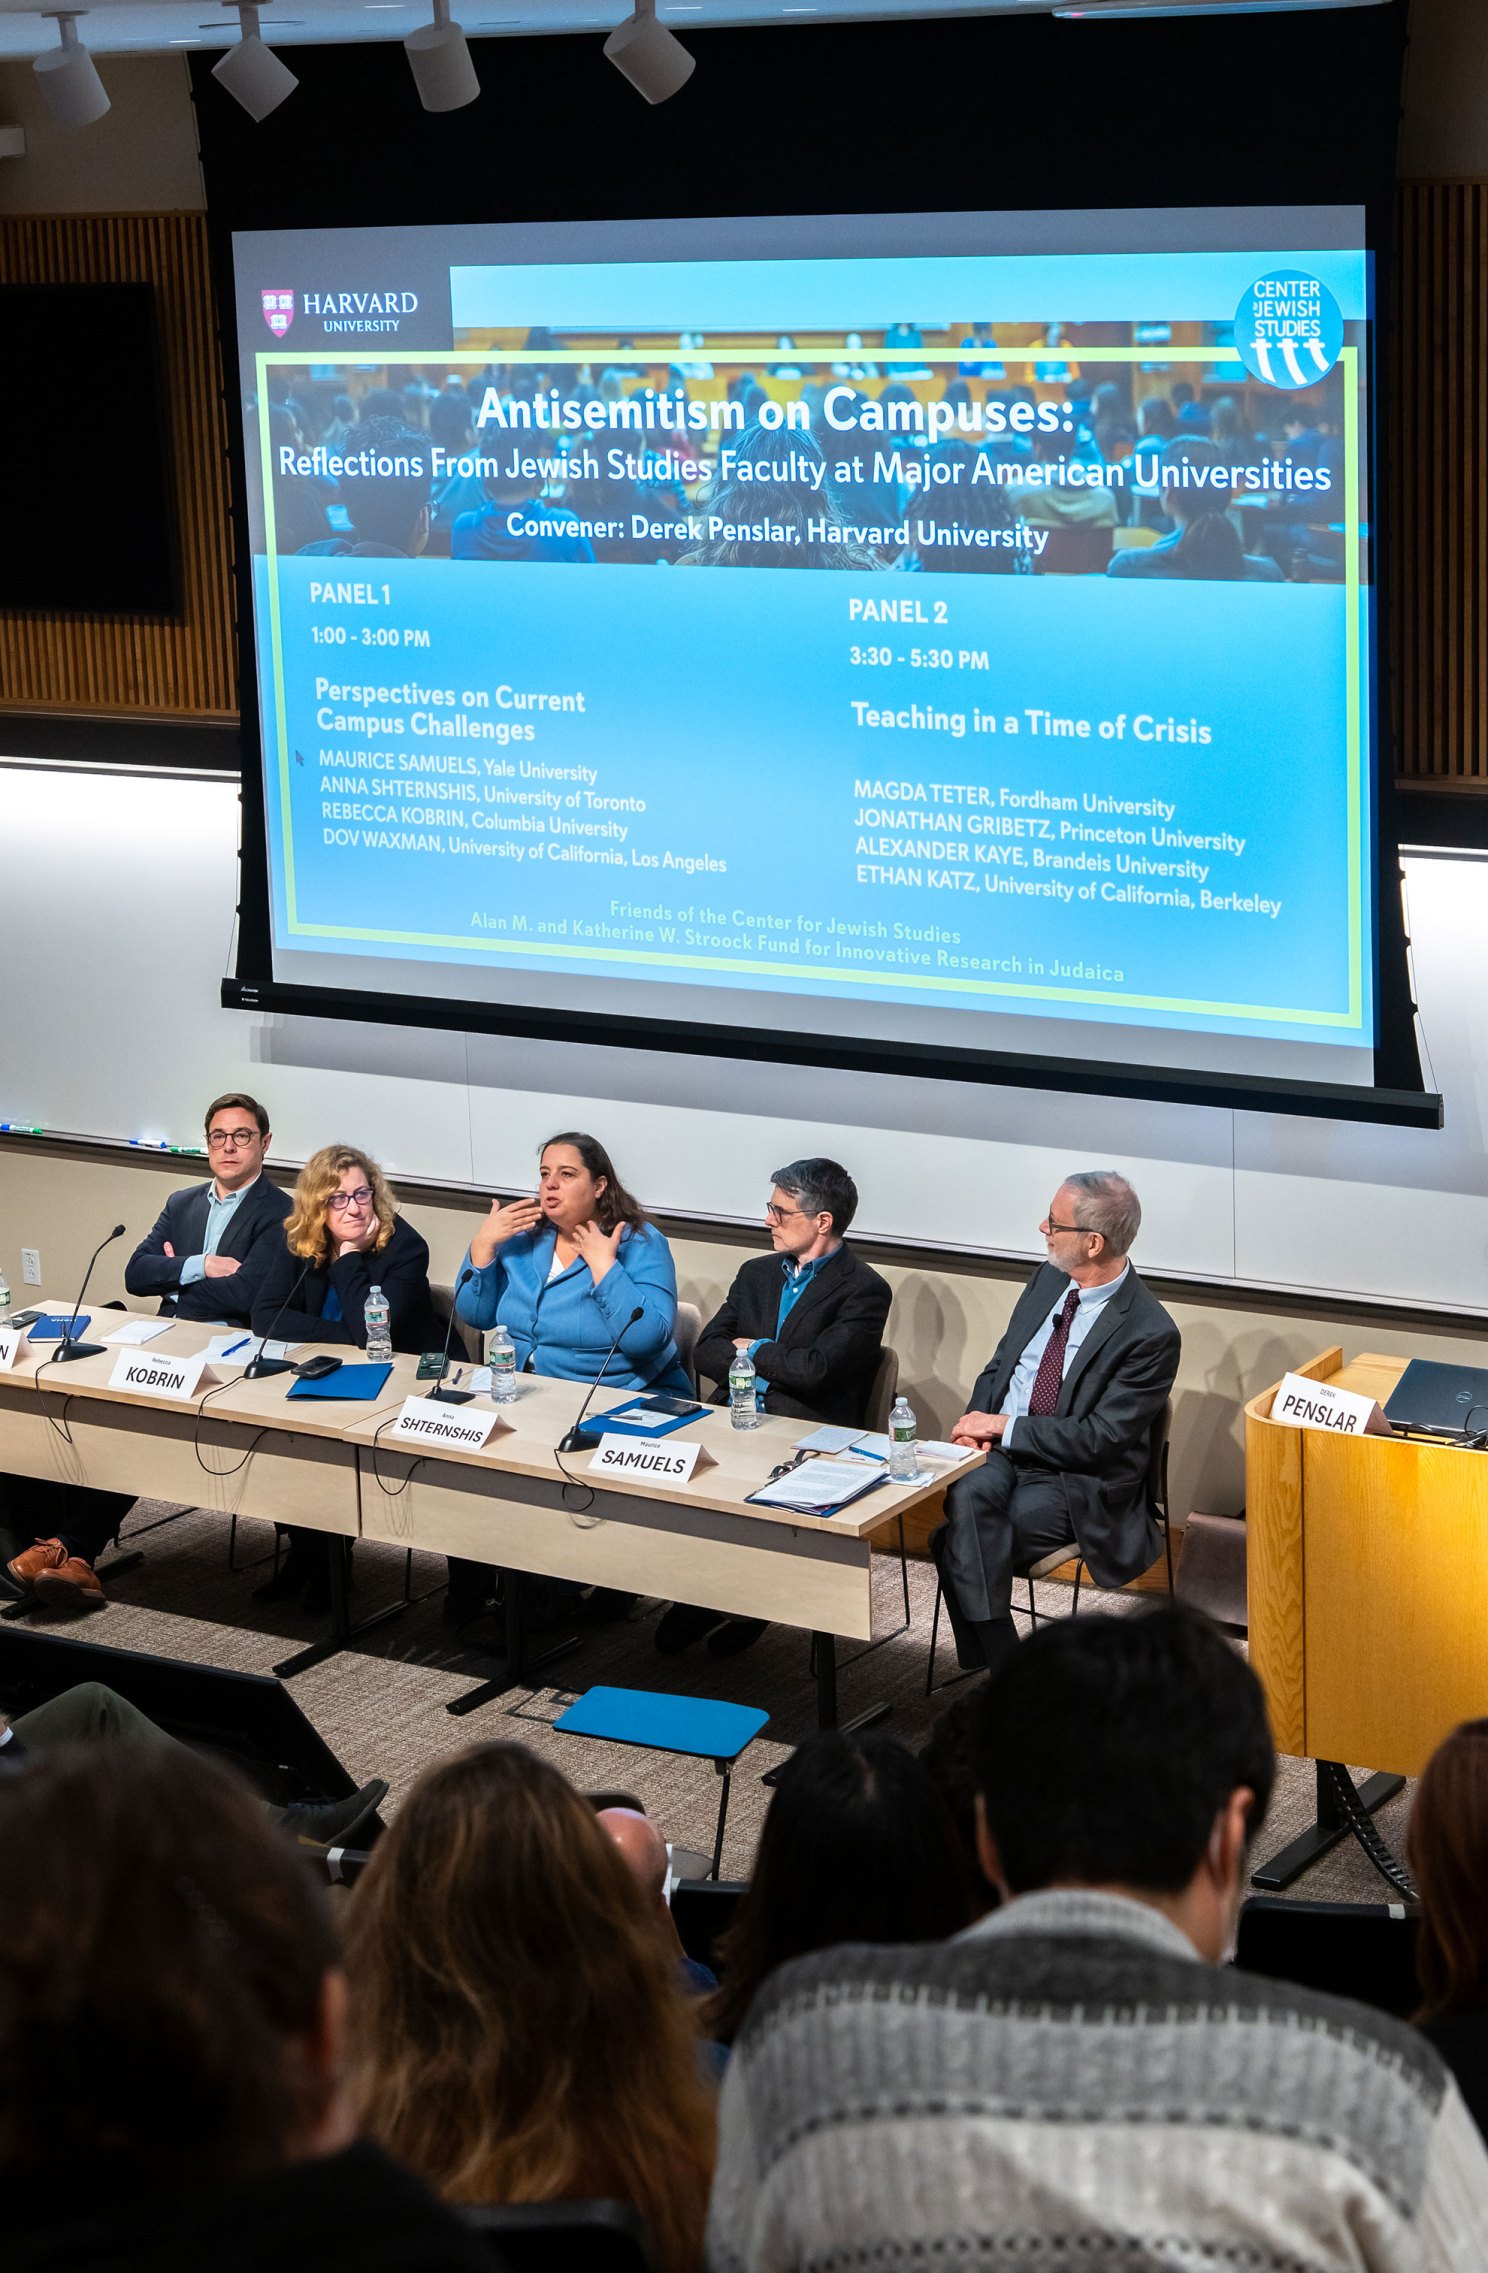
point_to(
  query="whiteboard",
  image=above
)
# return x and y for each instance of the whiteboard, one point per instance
(118, 897)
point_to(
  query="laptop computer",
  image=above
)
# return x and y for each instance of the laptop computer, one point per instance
(1443, 1400)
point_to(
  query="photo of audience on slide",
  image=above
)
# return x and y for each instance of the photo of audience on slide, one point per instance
(968, 448)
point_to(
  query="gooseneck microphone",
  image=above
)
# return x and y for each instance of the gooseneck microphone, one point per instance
(576, 1440)
(439, 1393)
(69, 1347)
(260, 1367)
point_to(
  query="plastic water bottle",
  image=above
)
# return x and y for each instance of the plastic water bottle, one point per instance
(744, 1409)
(4, 1300)
(379, 1328)
(501, 1357)
(904, 1453)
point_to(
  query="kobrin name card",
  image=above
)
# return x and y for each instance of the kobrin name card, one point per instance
(162, 1376)
(450, 1428)
(1303, 1404)
(669, 1463)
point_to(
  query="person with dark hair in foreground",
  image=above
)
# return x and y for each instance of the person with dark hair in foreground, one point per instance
(1448, 1844)
(1076, 2080)
(858, 1846)
(519, 2031)
(171, 2020)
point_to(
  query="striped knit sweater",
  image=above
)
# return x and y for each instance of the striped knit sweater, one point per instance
(1067, 2086)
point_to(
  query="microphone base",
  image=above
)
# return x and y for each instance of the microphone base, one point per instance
(578, 1440)
(260, 1368)
(67, 1351)
(450, 1396)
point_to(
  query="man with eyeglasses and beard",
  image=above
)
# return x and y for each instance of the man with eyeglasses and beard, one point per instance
(812, 1317)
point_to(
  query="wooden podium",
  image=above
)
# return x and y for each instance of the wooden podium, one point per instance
(1368, 1586)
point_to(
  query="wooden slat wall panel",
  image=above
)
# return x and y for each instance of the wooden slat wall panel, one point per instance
(1439, 500)
(140, 665)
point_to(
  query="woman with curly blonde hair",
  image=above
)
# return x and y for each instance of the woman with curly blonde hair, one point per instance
(342, 1236)
(519, 2030)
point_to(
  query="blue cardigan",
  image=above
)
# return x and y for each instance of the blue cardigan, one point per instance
(565, 1326)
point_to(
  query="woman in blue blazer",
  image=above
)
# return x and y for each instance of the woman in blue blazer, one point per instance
(564, 1272)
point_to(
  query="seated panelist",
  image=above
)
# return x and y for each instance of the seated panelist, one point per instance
(197, 1257)
(812, 1317)
(343, 1236)
(563, 1272)
(1065, 1413)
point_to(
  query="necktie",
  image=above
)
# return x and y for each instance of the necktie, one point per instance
(1050, 1376)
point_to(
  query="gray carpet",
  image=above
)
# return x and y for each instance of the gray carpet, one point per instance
(380, 1705)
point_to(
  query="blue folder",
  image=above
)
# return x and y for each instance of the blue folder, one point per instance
(54, 1329)
(361, 1381)
(629, 1420)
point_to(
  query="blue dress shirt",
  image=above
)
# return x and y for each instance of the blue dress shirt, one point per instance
(1020, 1388)
(798, 1277)
(219, 1216)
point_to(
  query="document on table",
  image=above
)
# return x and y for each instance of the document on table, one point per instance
(240, 1348)
(140, 1330)
(819, 1487)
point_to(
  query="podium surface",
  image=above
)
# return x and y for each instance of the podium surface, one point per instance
(1368, 1580)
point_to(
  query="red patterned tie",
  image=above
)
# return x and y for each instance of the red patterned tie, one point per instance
(1050, 1376)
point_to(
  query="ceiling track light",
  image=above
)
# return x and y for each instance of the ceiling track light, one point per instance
(68, 76)
(650, 57)
(439, 59)
(251, 72)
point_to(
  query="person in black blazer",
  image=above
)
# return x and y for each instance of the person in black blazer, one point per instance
(343, 1236)
(812, 1317)
(194, 1255)
(1065, 1413)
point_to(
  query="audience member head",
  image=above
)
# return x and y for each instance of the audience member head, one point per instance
(519, 2030)
(1209, 546)
(811, 1204)
(1155, 418)
(1129, 1753)
(576, 1183)
(341, 1199)
(382, 402)
(858, 1846)
(238, 1137)
(1227, 428)
(1092, 1224)
(642, 1849)
(949, 1760)
(389, 506)
(449, 423)
(171, 2005)
(1448, 1846)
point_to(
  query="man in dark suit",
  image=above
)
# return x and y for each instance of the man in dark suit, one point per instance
(193, 1257)
(812, 1317)
(1065, 1412)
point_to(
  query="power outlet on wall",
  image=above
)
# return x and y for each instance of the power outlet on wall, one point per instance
(31, 1265)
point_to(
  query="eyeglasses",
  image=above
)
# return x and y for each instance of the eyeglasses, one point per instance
(778, 1214)
(357, 1199)
(232, 1139)
(1049, 1224)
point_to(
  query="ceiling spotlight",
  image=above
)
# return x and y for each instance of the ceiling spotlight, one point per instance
(440, 62)
(651, 58)
(252, 73)
(68, 77)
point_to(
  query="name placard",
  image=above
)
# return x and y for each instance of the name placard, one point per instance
(1303, 1404)
(669, 1462)
(425, 1420)
(162, 1376)
(12, 1345)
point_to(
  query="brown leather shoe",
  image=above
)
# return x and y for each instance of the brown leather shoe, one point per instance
(24, 1570)
(71, 1584)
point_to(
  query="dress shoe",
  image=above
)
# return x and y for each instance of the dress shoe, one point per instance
(334, 1822)
(23, 1570)
(71, 1584)
(684, 1624)
(735, 1636)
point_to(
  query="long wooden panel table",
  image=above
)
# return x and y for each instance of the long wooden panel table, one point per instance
(335, 1467)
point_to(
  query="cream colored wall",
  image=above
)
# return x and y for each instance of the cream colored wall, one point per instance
(140, 157)
(945, 1323)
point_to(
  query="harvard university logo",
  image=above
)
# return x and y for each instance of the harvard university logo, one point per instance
(278, 308)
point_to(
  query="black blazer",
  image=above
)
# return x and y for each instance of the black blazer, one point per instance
(822, 1366)
(183, 1221)
(1099, 1436)
(401, 1270)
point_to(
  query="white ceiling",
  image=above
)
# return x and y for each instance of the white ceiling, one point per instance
(125, 27)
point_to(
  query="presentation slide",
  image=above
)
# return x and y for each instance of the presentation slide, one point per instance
(945, 629)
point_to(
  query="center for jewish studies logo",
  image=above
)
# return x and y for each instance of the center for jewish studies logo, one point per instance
(1289, 330)
(278, 311)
